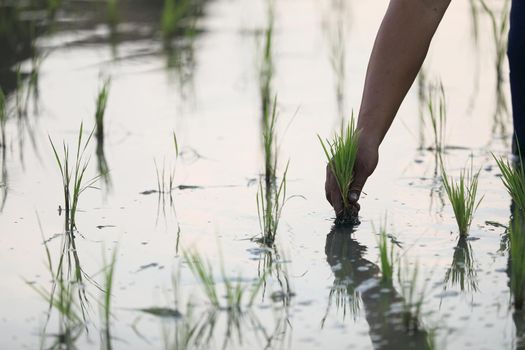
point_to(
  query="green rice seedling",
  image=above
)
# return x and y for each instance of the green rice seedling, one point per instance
(100, 111)
(437, 110)
(412, 298)
(341, 154)
(462, 195)
(106, 304)
(173, 12)
(513, 177)
(517, 258)
(73, 174)
(3, 119)
(270, 203)
(112, 12)
(386, 256)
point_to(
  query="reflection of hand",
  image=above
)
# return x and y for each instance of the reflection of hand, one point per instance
(366, 162)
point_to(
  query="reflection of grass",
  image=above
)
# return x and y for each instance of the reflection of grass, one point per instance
(109, 274)
(462, 196)
(3, 119)
(270, 202)
(341, 154)
(412, 299)
(513, 178)
(462, 271)
(499, 35)
(517, 258)
(438, 116)
(73, 176)
(386, 256)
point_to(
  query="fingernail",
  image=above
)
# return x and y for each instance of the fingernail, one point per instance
(353, 197)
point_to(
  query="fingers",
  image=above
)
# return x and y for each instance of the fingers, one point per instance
(333, 195)
(357, 186)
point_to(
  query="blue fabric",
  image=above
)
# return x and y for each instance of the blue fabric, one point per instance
(516, 56)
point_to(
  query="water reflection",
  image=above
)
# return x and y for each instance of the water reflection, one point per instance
(462, 272)
(380, 302)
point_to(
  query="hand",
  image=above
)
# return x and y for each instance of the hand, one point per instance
(366, 162)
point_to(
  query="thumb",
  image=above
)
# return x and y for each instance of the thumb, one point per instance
(357, 186)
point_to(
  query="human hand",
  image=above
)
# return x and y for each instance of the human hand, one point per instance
(366, 162)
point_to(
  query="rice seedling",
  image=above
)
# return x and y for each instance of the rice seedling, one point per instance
(341, 154)
(108, 274)
(437, 110)
(73, 173)
(412, 299)
(386, 256)
(513, 178)
(517, 258)
(462, 195)
(3, 119)
(100, 111)
(172, 13)
(112, 12)
(270, 200)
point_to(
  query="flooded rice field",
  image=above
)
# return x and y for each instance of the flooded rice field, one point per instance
(191, 213)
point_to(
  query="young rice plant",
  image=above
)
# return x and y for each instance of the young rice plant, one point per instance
(341, 154)
(513, 178)
(462, 196)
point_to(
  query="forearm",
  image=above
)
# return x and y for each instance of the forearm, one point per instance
(399, 51)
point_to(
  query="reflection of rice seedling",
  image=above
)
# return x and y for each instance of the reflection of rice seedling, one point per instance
(270, 202)
(74, 182)
(438, 118)
(462, 196)
(102, 100)
(499, 35)
(341, 154)
(462, 270)
(412, 299)
(3, 119)
(513, 178)
(109, 273)
(386, 255)
(517, 258)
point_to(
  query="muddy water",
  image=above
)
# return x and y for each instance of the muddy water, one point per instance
(211, 100)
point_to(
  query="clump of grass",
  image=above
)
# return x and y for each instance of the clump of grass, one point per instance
(513, 177)
(73, 174)
(412, 299)
(3, 119)
(462, 195)
(386, 255)
(266, 70)
(437, 109)
(341, 154)
(517, 258)
(270, 202)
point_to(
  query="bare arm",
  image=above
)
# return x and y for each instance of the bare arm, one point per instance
(399, 50)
